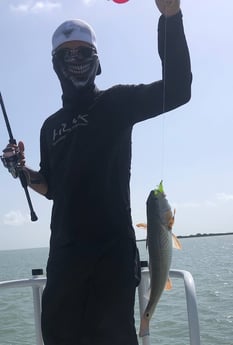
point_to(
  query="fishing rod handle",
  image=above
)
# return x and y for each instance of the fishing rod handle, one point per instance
(24, 184)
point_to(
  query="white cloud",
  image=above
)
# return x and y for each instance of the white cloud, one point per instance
(224, 197)
(187, 205)
(209, 204)
(15, 218)
(219, 198)
(89, 2)
(19, 8)
(35, 6)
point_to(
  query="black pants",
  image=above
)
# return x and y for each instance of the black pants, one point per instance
(89, 296)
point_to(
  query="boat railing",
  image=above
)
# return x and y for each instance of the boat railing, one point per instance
(190, 296)
(37, 284)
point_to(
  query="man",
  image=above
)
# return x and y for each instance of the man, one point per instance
(93, 269)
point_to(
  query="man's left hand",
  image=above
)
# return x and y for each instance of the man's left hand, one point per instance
(168, 7)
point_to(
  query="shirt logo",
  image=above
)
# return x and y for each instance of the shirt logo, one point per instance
(66, 128)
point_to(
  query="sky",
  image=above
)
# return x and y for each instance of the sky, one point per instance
(190, 148)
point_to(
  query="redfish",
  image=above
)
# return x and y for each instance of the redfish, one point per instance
(160, 242)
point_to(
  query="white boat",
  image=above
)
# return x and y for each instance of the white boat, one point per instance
(37, 282)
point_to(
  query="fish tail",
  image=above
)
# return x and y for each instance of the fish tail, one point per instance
(144, 327)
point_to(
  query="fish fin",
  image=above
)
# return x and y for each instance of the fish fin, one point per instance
(175, 242)
(142, 225)
(147, 294)
(168, 285)
(171, 220)
(144, 327)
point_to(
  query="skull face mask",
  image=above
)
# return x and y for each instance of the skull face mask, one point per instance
(79, 66)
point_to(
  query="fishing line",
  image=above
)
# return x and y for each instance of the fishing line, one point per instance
(163, 148)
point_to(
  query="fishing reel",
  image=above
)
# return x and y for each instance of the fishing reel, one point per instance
(10, 160)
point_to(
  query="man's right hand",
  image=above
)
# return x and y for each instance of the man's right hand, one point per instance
(13, 158)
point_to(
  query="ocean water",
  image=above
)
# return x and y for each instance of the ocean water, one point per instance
(208, 259)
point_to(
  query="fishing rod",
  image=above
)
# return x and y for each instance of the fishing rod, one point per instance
(12, 163)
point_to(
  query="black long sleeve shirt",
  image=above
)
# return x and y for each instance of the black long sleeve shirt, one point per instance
(86, 146)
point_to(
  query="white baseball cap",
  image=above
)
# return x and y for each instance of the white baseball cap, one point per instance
(73, 30)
